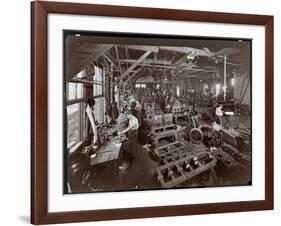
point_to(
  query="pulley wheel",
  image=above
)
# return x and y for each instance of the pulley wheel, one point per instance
(196, 135)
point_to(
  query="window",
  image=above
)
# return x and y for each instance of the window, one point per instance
(73, 124)
(140, 85)
(98, 80)
(75, 90)
(218, 89)
(75, 112)
(99, 108)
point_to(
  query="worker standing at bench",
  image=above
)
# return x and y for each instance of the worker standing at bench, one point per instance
(219, 114)
(132, 131)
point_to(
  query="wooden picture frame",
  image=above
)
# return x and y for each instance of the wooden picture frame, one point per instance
(39, 112)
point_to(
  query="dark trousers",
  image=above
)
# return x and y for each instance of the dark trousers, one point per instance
(133, 143)
(130, 148)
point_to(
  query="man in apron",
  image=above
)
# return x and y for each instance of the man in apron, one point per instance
(132, 131)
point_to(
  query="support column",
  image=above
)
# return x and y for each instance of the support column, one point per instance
(224, 79)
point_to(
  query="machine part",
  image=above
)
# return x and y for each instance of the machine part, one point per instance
(163, 135)
(102, 139)
(174, 173)
(169, 149)
(224, 160)
(230, 137)
(102, 134)
(158, 129)
(205, 129)
(159, 120)
(181, 118)
(212, 139)
(163, 132)
(177, 109)
(196, 136)
(181, 154)
(234, 153)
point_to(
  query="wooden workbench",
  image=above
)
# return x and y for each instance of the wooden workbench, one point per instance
(108, 152)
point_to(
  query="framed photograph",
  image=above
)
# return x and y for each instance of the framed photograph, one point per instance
(145, 112)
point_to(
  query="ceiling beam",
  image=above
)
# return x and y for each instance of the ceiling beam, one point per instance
(134, 65)
(146, 61)
(134, 74)
(104, 55)
(184, 68)
(117, 55)
(154, 49)
(226, 52)
(180, 60)
(187, 50)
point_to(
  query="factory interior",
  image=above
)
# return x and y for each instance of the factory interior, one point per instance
(146, 113)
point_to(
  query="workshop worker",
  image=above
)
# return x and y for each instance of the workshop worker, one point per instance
(219, 114)
(134, 111)
(132, 131)
(133, 126)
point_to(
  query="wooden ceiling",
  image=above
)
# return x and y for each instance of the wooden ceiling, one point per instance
(128, 61)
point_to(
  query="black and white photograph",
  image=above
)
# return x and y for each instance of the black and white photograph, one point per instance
(146, 112)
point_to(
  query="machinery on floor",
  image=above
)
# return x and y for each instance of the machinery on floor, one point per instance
(157, 115)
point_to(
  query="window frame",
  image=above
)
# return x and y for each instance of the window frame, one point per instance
(82, 110)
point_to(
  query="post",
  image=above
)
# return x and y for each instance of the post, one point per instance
(224, 79)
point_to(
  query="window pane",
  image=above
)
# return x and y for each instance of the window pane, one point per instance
(79, 90)
(97, 88)
(98, 74)
(71, 91)
(75, 91)
(99, 109)
(218, 88)
(73, 124)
